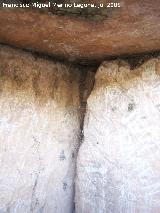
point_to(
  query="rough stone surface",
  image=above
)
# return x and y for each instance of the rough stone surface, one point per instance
(118, 168)
(39, 133)
(133, 28)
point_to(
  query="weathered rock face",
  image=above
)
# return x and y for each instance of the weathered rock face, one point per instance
(39, 133)
(42, 104)
(118, 166)
(131, 29)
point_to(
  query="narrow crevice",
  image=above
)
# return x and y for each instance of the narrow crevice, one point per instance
(86, 84)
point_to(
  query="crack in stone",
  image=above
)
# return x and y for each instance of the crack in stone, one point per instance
(34, 199)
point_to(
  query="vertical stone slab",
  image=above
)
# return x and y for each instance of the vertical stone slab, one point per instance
(118, 168)
(39, 133)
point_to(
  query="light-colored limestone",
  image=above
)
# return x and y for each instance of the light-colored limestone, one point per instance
(39, 133)
(118, 168)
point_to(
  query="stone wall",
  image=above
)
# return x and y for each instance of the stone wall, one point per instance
(42, 106)
(118, 167)
(39, 133)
